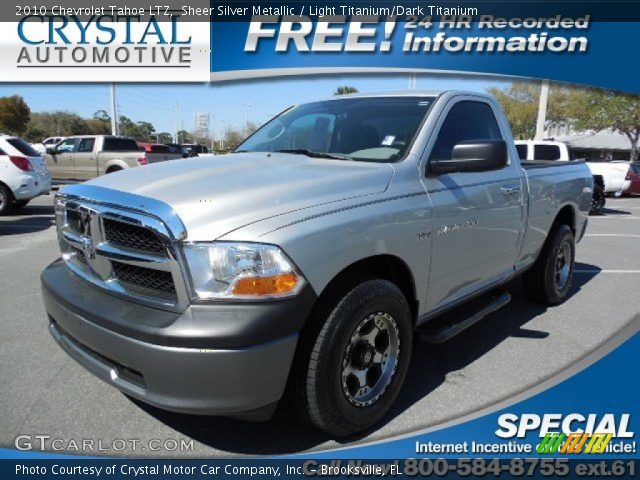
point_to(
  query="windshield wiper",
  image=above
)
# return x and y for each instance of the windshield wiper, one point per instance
(312, 154)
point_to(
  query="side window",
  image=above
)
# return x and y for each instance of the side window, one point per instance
(68, 145)
(86, 145)
(467, 120)
(546, 152)
(522, 151)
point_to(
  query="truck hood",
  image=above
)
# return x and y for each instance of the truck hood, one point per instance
(214, 195)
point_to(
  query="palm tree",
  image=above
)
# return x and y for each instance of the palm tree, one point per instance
(345, 90)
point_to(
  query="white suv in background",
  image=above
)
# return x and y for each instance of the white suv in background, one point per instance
(23, 173)
(613, 173)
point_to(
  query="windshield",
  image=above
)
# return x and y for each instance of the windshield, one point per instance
(377, 129)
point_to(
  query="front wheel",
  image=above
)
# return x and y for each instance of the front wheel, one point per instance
(349, 373)
(549, 280)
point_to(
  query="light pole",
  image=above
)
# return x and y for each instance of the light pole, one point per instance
(222, 133)
(246, 105)
(412, 81)
(542, 109)
(114, 113)
(175, 134)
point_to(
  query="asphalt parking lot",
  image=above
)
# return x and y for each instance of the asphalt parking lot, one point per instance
(44, 392)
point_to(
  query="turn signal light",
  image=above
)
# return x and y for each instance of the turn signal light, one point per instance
(261, 286)
(22, 163)
(143, 161)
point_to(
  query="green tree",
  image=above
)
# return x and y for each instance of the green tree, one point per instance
(164, 137)
(14, 114)
(48, 124)
(126, 126)
(252, 127)
(597, 109)
(102, 115)
(137, 130)
(35, 134)
(184, 137)
(520, 104)
(144, 130)
(98, 127)
(100, 123)
(233, 137)
(345, 90)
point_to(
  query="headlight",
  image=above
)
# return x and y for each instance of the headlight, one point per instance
(224, 270)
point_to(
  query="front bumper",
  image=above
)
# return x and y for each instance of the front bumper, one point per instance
(186, 369)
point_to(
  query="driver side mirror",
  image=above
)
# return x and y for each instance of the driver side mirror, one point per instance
(51, 150)
(473, 156)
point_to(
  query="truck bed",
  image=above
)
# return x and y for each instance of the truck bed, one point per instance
(532, 164)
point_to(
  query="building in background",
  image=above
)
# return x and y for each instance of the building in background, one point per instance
(601, 146)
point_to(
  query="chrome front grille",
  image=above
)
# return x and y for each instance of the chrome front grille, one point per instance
(132, 236)
(145, 281)
(73, 220)
(124, 252)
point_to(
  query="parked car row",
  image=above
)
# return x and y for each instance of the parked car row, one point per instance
(84, 157)
(186, 150)
(27, 171)
(633, 176)
(610, 178)
(23, 174)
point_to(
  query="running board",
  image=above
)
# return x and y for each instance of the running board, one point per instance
(468, 315)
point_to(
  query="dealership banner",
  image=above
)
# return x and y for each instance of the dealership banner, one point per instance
(196, 42)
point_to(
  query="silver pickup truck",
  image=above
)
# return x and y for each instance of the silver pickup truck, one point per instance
(83, 157)
(308, 261)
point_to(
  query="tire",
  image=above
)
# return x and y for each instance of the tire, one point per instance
(333, 350)
(6, 200)
(20, 204)
(549, 280)
(598, 200)
(112, 170)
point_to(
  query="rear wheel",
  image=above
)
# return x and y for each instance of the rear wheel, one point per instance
(347, 375)
(597, 201)
(549, 280)
(6, 200)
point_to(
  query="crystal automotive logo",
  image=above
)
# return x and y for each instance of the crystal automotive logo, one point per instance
(103, 41)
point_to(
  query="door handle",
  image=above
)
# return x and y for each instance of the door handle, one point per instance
(509, 189)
